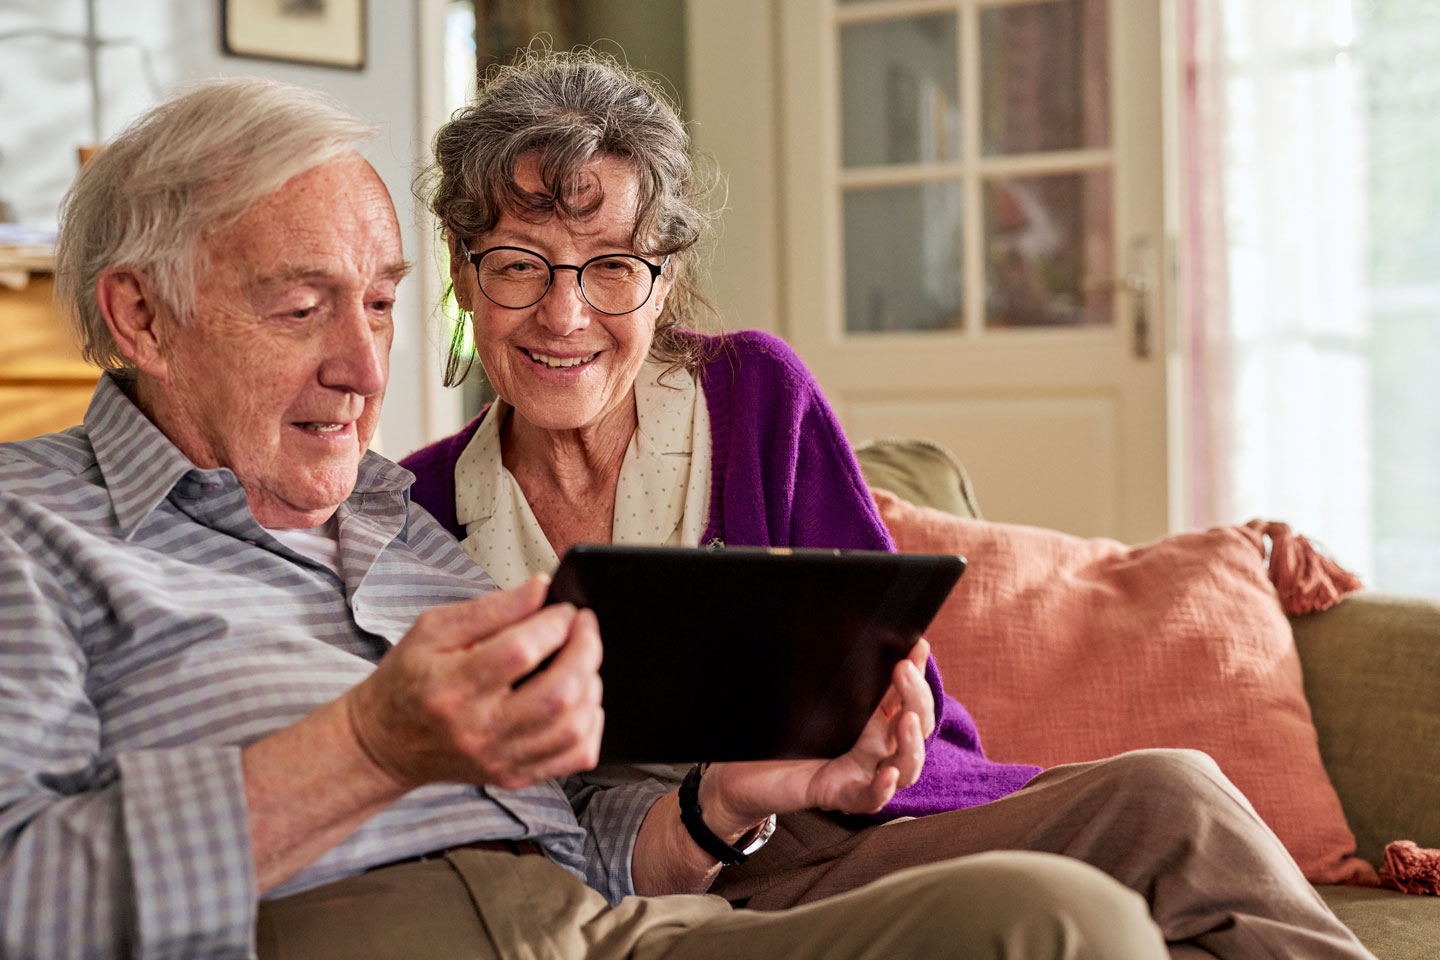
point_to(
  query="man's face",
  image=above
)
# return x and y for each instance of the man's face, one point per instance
(280, 374)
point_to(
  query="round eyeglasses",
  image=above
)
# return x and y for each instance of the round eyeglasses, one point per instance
(612, 283)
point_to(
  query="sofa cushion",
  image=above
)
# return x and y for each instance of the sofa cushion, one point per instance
(1393, 925)
(918, 471)
(1066, 649)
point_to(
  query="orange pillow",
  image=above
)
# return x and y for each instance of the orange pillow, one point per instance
(1066, 649)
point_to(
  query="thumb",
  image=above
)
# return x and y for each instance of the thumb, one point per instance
(487, 614)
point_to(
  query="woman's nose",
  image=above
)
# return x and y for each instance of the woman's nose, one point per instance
(563, 310)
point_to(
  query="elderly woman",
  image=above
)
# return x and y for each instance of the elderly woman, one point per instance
(570, 208)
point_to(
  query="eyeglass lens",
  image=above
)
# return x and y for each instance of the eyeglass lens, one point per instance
(518, 278)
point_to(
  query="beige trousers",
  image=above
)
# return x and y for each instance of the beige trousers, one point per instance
(1166, 823)
(480, 905)
(1203, 873)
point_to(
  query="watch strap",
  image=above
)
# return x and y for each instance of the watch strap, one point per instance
(692, 817)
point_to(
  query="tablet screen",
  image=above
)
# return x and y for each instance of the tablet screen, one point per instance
(739, 653)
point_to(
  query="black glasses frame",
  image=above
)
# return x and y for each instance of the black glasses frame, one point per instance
(655, 272)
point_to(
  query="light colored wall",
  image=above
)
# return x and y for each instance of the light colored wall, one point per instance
(44, 114)
(731, 81)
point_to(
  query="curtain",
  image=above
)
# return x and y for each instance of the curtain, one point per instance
(1275, 240)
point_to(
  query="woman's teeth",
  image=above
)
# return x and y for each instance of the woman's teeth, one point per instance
(322, 427)
(559, 363)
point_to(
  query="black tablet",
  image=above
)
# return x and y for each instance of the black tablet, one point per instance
(738, 653)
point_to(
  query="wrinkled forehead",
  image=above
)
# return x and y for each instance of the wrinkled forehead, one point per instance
(340, 209)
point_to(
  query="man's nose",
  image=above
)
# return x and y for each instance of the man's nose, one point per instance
(359, 353)
(563, 310)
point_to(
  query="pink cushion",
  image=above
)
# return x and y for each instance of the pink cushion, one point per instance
(1066, 649)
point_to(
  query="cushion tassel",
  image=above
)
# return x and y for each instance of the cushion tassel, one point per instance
(1411, 869)
(1306, 580)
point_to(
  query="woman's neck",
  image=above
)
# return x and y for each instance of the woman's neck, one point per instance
(569, 476)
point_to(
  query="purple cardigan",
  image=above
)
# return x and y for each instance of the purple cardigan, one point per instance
(783, 474)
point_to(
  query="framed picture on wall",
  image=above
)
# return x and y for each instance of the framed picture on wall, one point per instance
(326, 33)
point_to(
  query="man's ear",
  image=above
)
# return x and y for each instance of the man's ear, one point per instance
(135, 318)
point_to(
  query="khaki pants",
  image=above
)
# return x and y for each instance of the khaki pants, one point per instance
(1203, 873)
(481, 905)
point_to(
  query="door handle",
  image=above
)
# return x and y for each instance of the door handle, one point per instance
(1138, 288)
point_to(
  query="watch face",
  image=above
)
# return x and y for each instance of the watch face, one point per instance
(767, 830)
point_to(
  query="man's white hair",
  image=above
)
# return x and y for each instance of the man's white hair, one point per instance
(190, 167)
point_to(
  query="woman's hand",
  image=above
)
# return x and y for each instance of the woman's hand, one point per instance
(887, 757)
(737, 797)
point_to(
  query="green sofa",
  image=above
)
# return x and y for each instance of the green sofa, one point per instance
(1372, 676)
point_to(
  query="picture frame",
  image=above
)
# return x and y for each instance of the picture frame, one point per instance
(324, 33)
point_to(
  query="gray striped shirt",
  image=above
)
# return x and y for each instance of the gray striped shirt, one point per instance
(149, 629)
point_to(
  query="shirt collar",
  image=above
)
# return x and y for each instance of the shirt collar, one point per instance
(141, 466)
(139, 463)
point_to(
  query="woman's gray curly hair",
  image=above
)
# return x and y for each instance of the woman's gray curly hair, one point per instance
(191, 166)
(562, 110)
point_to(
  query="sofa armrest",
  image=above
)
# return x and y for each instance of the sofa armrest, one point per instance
(1372, 676)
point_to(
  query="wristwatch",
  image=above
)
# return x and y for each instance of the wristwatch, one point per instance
(690, 815)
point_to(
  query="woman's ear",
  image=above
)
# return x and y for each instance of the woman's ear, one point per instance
(460, 273)
(136, 318)
(664, 283)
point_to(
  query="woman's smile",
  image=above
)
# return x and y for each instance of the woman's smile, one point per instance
(557, 362)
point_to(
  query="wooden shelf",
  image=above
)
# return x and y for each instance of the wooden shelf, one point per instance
(44, 383)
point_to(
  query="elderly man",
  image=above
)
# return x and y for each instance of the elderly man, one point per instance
(253, 701)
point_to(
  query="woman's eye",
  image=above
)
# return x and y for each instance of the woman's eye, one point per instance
(303, 313)
(618, 267)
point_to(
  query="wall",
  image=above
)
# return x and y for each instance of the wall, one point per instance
(44, 114)
(731, 98)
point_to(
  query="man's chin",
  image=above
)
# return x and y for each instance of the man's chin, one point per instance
(303, 501)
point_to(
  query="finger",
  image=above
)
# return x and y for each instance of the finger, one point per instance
(565, 743)
(920, 654)
(878, 792)
(473, 620)
(892, 701)
(571, 682)
(915, 694)
(510, 654)
(574, 665)
(909, 756)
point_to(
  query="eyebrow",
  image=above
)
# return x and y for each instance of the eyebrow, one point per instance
(396, 270)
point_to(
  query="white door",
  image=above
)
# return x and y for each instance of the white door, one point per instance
(975, 242)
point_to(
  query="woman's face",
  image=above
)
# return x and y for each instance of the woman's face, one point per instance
(562, 364)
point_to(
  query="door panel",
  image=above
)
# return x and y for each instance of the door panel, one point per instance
(973, 205)
(1008, 443)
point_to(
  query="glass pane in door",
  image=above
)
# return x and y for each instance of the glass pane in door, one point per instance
(1045, 71)
(902, 258)
(899, 91)
(1049, 250)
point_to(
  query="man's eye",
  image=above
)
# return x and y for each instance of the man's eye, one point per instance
(382, 306)
(303, 313)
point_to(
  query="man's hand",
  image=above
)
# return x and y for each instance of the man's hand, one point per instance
(442, 705)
